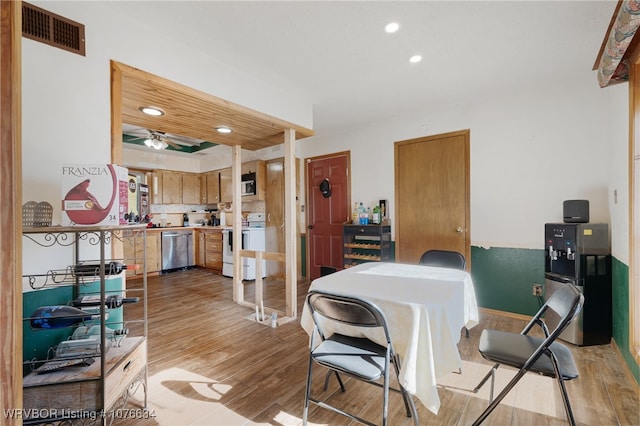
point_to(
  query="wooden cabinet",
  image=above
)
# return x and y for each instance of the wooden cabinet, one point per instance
(191, 188)
(209, 248)
(211, 182)
(133, 247)
(258, 167)
(226, 189)
(200, 247)
(213, 250)
(171, 187)
(366, 243)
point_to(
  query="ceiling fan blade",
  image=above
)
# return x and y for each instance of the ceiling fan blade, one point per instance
(171, 143)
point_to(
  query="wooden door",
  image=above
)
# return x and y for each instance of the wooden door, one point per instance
(326, 215)
(432, 195)
(274, 207)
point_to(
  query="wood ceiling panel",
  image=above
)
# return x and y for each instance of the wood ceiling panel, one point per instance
(192, 113)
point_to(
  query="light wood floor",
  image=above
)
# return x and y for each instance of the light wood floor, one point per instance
(208, 365)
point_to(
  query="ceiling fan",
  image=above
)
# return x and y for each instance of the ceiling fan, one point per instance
(154, 139)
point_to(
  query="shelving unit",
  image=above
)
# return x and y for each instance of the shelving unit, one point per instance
(94, 393)
(366, 243)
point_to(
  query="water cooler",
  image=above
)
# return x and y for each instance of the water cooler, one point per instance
(580, 253)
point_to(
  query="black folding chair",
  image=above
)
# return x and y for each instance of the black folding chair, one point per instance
(357, 357)
(445, 259)
(527, 353)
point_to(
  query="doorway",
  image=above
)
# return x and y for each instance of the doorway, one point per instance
(326, 211)
(432, 191)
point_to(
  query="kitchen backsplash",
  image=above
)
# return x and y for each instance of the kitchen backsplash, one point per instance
(172, 213)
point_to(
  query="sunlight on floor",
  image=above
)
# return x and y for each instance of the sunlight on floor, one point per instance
(180, 397)
(547, 399)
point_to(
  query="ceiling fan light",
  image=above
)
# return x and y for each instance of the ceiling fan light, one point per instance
(223, 129)
(151, 110)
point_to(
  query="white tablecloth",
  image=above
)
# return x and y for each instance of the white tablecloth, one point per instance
(426, 308)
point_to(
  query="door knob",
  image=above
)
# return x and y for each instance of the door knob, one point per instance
(459, 230)
(310, 226)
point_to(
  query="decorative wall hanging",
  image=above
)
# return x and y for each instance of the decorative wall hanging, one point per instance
(325, 188)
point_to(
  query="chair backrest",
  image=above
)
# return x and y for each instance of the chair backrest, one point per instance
(443, 259)
(566, 303)
(347, 310)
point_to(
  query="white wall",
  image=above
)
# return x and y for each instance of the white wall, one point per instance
(617, 142)
(531, 148)
(66, 97)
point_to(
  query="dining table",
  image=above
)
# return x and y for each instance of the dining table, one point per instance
(425, 307)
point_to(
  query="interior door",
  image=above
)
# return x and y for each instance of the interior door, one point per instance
(326, 214)
(432, 195)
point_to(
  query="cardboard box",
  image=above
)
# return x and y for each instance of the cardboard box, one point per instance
(94, 194)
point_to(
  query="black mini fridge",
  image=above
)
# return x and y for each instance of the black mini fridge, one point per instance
(580, 253)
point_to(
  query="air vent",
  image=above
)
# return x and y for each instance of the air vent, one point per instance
(55, 30)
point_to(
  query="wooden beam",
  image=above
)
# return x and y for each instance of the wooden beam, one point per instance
(236, 168)
(291, 273)
(11, 202)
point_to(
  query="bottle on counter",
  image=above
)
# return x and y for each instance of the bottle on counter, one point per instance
(88, 269)
(376, 215)
(355, 218)
(362, 214)
(185, 220)
(58, 316)
(111, 301)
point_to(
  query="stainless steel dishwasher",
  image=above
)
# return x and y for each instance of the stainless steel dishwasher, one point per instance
(177, 250)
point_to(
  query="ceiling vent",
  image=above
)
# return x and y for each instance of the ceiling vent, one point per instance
(55, 30)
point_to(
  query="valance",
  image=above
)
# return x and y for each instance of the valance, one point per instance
(614, 66)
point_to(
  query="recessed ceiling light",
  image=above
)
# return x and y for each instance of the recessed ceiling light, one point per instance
(223, 129)
(151, 110)
(415, 59)
(392, 27)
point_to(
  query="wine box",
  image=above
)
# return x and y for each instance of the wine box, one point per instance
(94, 194)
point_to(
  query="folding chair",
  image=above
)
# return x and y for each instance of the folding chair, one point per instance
(445, 259)
(357, 357)
(527, 353)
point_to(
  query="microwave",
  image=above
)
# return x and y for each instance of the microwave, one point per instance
(248, 184)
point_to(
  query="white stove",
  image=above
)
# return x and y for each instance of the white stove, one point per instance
(253, 238)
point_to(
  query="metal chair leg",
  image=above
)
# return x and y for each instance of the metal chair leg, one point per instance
(485, 378)
(307, 394)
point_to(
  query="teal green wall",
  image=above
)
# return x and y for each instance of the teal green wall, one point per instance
(36, 343)
(620, 278)
(503, 278)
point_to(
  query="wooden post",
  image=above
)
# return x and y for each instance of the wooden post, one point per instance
(11, 202)
(291, 273)
(258, 282)
(236, 168)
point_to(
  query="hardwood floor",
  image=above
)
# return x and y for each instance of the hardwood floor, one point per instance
(208, 365)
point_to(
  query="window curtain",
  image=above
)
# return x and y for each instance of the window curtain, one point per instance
(614, 67)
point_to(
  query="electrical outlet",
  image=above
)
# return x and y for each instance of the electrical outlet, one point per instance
(537, 289)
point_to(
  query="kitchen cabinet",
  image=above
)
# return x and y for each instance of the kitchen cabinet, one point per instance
(259, 168)
(191, 188)
(171, 187)
(134, 246)
(366, 243)
(209, 249)
(226, 189)
(212, 187)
